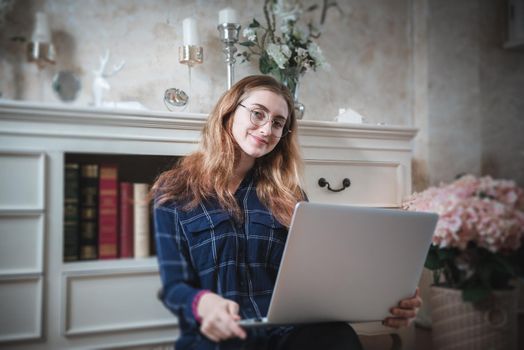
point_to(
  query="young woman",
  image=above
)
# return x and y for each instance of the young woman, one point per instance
(221, 219)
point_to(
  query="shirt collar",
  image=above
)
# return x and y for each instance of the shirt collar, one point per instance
(248, 178)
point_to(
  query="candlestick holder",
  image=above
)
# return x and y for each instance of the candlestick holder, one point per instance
(41, 53)
(228, 33)
(190, 55)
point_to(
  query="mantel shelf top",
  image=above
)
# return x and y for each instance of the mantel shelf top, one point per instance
(46, 112)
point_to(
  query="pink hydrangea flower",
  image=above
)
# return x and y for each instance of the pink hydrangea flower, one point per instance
(482, 210)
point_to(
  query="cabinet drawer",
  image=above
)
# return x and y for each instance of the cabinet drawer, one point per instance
(22, 238)
(22, 185)
(376, 184)
(97, 303)
(20, 308)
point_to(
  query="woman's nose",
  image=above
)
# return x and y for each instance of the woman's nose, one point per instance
(266, 128)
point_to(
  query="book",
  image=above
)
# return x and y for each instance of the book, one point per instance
(88, 212)
(140, 220)
(126, 220)
(71, 211)
(108, 211)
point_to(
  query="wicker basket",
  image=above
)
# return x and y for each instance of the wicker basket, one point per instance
(459, 325)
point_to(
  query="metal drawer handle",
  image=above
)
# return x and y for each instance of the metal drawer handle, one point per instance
(345, 184)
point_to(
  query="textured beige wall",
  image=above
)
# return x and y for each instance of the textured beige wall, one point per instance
(367, 46)
(437, 65)
(468, 100)
(502, 98)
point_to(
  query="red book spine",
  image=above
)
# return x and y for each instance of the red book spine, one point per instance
(126, 220)
(107, 212)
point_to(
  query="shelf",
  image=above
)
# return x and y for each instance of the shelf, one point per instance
(110, 266)
(93, 205)
(131, 167)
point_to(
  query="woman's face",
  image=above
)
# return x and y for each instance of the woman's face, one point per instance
(257, 141)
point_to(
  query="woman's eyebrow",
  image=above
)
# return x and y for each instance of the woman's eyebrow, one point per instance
(267, 110)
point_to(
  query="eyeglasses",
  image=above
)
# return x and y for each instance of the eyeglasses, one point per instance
(260, 117)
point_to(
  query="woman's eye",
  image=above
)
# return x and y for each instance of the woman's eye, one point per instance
(279, 124)
(259, 115)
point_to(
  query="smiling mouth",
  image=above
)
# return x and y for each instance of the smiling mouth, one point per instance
(259, 140)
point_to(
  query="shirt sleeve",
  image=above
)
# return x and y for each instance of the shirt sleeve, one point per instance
(180, 283)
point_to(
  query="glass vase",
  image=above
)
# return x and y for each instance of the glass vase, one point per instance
(290, 77)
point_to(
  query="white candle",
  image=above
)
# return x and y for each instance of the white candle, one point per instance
(41, 32)
(190, 32)
(227, 15)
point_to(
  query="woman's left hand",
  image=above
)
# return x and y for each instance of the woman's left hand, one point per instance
(405, 312)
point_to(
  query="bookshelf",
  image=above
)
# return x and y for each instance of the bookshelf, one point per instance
(46, 303)
(110, 233)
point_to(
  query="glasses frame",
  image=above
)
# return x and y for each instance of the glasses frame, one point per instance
(286, 131)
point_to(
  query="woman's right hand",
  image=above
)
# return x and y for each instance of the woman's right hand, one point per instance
(219, 318)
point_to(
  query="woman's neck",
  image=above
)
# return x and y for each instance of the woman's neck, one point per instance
(243, 167)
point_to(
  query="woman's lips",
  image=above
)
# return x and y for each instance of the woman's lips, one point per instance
(259, 140)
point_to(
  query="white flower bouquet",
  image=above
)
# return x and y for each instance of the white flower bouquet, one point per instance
(285, 47)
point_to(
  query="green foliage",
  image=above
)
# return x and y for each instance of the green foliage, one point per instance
(283, 45)
(475, 270)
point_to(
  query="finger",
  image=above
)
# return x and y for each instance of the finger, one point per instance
(237, 330)
(232, 308)
(233, 327)
(404, 313)
(217, 327)
(410, 303)
(396, 322)
(211, 328)
(224, 326)
(209, 333)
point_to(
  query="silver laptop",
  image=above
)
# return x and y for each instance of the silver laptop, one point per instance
(345, 263)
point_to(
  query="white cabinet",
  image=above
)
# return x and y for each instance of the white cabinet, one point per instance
(48, 304)
(22, 220)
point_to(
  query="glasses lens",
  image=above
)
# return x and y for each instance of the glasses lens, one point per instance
(259, 117)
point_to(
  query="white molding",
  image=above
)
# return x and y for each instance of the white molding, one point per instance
(20, 276)
(109, 267)
(71, 277)
(347, 130)
(103, 267)
(41, 113)
(29, 334)
(382, 148)
(40, 178)
(78, 115)
(97, 136)
(33, 241)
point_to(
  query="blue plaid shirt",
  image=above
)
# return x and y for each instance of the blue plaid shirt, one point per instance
(205, 248)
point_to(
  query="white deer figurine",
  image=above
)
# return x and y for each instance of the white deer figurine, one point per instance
(100, 82)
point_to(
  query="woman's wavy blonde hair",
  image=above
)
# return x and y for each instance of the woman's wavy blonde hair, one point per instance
(206, 173)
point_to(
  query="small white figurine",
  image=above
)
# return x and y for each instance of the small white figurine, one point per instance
(100, 82)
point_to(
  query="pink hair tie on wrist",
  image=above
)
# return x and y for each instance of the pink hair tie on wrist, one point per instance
(194, 304)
